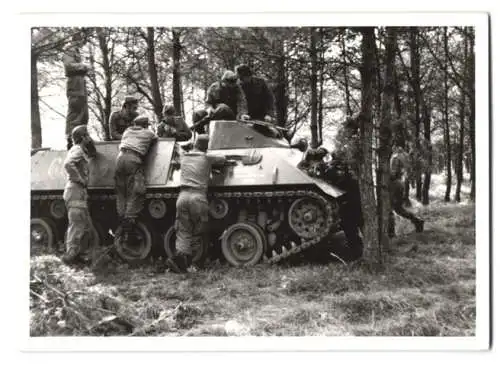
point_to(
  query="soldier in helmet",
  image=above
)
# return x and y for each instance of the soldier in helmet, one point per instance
(226, 100)
(398, 166)
(129, 176)
(259, 97)
(120, 120)
(192, 204)
(75, 193)
(173, 126)
(76, 89)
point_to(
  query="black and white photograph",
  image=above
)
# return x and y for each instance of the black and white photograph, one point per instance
(210, 181)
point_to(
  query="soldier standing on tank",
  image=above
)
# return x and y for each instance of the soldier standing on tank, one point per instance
(76, 89)
(120, 120)
(259, 97)
(398, 166)
(191, 221)
(173, 126)
(129, 176)
(75, 193)
(226, 99)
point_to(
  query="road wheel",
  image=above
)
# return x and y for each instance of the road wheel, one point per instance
(242, 244)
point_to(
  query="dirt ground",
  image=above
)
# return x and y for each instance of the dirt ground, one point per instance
(426, 288)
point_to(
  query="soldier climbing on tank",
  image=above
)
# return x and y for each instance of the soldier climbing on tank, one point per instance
(191, 221)
(129, 176)
(76, 89)
(79, 231)
(398, 166)
(260, 99)
(121, 119)
(173, 126)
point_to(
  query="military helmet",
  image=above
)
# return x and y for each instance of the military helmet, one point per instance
(78, 133)
(129, 99)
(229, 77)
(243, 71)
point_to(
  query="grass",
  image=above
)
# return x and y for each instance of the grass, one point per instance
(426, 288)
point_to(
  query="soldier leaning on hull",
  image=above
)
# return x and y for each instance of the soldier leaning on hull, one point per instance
(120, 120)
(75, 195)
(191, 221)
(398, 166)
(129, 176)
(173, 126)
(260, 99)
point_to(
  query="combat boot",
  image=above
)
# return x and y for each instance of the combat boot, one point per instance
(179, 263)
(71, 256)
(419, 225)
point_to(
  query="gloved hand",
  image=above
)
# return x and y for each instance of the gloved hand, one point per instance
(245, 117)
(210, 111)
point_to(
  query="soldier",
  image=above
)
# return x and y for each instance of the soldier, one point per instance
(76, 90)
(398, 165)
(226, 100)
(192, 204)
(129, 176)
(75, 193)
(120, 120)
(173, 126)
(259, 97)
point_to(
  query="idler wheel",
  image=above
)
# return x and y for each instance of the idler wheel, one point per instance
(169, 246)
(307, 217)
(138, 244)
(242, 244)
(42, 236)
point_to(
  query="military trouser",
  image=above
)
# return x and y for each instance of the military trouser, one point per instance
(79, 232)
(396, 190)
(130, 185)
(191, 220)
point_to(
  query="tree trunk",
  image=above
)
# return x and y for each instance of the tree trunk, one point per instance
(365, 159)
(320, 96)
(472, 116)
(427, 155)
(176, 74)
(459, 165)
(384, 151)
(108, 74)
(153, 74)
(345, 74)
(446, 121)
(314, 87)
(281, 102)
(36, 125)
(415, 71)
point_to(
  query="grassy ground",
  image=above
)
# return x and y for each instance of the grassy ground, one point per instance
(427, 288)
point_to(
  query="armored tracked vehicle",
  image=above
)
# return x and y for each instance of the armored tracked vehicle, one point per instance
(262, 206)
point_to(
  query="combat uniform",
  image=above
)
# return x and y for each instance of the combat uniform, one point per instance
(398, 163)
(129, 176)
(174, 127)
(220, 96)
(76, 92)
(75, 198)
(119, 121)
(260, 99)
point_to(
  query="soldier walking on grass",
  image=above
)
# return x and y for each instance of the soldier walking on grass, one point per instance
(398, 166)
(191, 221)
(129, 176)
(79, 232)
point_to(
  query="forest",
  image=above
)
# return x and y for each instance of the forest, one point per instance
(353, 90)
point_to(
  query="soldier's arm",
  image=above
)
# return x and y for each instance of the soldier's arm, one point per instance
(269, 97)
(242, 105)
(216, 160)
(113, 132)
(75, 155)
